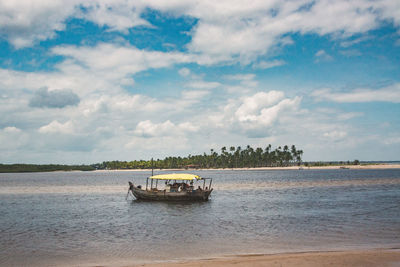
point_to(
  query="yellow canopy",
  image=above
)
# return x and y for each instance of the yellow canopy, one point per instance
(176, 176)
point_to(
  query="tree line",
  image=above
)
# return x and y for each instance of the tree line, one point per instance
(232, 157)
(228, 157)
(43, 167)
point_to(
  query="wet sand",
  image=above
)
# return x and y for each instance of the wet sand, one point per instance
(365, 258)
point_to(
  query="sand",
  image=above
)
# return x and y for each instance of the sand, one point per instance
(366, 258)
(366, 166)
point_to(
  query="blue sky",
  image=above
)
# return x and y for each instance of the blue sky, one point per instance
(88, 81)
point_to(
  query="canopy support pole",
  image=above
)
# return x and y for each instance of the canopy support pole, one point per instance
(152, 167)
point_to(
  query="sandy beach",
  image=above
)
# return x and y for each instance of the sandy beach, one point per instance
(364, 258)
(360, 167)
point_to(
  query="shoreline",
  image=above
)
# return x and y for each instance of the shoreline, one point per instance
(333, 167)
(357, 258)
(380, 166)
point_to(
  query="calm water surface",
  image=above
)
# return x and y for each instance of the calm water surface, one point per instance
(67, 218)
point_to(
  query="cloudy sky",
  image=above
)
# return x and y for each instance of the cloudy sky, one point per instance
(89, 81)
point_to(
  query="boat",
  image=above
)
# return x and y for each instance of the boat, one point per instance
(173, 187)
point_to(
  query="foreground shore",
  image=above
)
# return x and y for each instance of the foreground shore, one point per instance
(364, 258)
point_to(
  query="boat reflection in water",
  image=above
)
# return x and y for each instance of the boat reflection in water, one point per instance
(173, 187)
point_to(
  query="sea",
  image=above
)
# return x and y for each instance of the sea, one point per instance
(85, 219)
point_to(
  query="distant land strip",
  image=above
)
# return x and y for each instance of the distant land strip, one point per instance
(228, 158)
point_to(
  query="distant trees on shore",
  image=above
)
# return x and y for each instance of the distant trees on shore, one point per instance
(43, 167)
(229, 157)
(232, 157)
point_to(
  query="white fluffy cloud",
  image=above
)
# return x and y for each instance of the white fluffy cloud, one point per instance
(255, 115)
(117, 15)
(115, 61)
(148, 129)
(226, 31)
(24, 22)
(231, 30)
(57, 127)
(252, 107)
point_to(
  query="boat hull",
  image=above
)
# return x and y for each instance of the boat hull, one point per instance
(163, 195)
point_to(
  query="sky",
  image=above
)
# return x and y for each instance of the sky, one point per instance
(92, 81)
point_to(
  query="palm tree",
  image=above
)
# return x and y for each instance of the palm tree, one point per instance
(238, 154)
(231, 155)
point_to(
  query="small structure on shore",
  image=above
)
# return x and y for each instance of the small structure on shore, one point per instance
(192, 166)
(173, 187)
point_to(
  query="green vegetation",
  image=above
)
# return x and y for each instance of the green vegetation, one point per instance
(234, 157)
(43, 168)
(333, 163)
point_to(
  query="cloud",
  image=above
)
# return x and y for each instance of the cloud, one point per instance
(349, 115)
(255, 115)
(11, 139)
(229, 32)
(246, 82)
(148, 129)
(121, 59)
(11, 130)
(43, 98)
(269, 64)
(387, 94)
(240, 77)
(184, 72)
(225, 32)
(199, 84)
(116, 15)
(57, 127)
(335, 135)
(321, 55)
(358, 40)
(391, 140)
(194, 95)
(251, 106)
(23, 23)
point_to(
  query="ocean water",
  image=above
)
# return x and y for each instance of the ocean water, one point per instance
(83, 218)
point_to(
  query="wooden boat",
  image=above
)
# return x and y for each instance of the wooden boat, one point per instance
(173, 187)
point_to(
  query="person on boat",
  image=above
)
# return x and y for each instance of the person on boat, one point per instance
(191, 187)
(199, 188)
